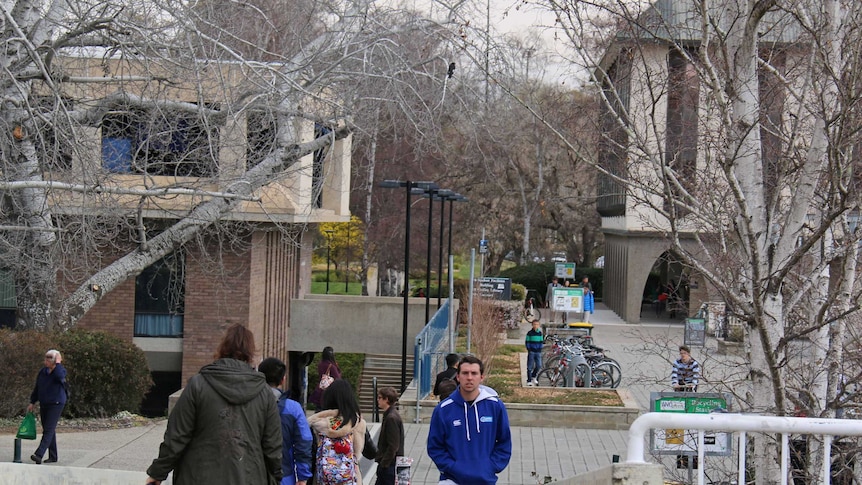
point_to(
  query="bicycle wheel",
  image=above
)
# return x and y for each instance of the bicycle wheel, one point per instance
(612, 368)
(551, 378)
(601, 378)
(553, 361)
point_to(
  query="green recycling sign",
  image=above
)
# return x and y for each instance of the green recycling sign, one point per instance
(677, 441)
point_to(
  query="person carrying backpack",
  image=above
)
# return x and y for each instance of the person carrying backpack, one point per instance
(340, 432)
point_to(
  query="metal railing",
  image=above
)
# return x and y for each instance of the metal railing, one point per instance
(430, 346)
(743, 423)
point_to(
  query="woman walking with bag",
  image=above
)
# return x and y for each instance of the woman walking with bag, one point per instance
(328, 371)
(340, 434)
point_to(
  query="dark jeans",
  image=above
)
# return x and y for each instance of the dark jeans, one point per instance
(534, 364)
(386, 476)
(50, 415)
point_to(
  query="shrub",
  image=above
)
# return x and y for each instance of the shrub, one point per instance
(21, 357)
(350, 365)
(536, 276)
(106, 373)
(519, 292)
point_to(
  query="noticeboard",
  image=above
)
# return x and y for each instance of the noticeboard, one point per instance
(565, 271)
(682, 441)
(695, 332)
(495, 288)
(567, 299)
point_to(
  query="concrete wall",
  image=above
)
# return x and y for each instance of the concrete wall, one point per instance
(542, 415)
(620, 474)
(24, 474)
(368, 324)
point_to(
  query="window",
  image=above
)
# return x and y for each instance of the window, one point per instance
(613, 143)
(683, 93)
(8, 300)
(159, 143)
(318, 174)
(260, 133)
(52, 144)
(160, 298)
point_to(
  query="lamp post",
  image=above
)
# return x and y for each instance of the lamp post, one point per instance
(452, 197)
(442, 195)
(430, 193)
(328, 248)
(409, 185)
(347, 261)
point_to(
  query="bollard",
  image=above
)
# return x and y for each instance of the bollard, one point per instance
(16, 458)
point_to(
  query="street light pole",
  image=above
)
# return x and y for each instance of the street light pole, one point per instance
(390, 184)
(442, 195)
(328, 248)
(347, 261)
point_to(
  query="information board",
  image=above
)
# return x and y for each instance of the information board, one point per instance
(565, 271)
(682, 441)
(495, 288)
(566, 299)
(695, 332)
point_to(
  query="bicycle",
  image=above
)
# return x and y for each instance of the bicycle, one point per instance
(531, 311)
(555, 374)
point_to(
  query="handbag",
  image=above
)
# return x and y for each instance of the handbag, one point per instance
(27, 430)
(326, 379)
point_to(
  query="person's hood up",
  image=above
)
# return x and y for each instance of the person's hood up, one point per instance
(234, 380)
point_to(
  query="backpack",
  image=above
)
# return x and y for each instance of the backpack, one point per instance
(335, 460)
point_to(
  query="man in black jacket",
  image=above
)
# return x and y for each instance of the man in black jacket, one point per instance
(448, 374)
(391, 442)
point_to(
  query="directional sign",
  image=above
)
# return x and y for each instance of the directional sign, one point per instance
(684, 442)
(567, 299)
(565, 271)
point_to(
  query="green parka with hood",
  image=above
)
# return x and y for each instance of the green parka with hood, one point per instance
(224, 429)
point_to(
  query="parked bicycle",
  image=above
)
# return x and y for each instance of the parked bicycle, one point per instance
(587, 367)
(531, 310)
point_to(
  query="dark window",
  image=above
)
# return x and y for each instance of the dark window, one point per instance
(772, 96)
(160, 298)
(8, 300)
(159, 143)
(318, 173)
(681, 143)
(613, 144)
(260, 133)
(53, 145)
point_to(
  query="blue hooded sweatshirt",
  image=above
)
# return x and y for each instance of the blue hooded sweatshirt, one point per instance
(470, 444)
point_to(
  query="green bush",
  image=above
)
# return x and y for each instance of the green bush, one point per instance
(537, 276)
(519, 292)
(349, 364)
(106, 374)
(21, 357)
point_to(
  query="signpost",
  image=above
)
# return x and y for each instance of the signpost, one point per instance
(567, 299)
(496, 288)
(684, 442)
(695, 332)
(565, 271)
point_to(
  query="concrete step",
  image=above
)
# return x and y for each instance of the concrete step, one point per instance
(387, 370)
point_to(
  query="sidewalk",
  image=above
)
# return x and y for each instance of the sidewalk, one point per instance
(558, 453)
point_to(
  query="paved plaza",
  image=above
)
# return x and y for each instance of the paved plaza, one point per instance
(643, 350)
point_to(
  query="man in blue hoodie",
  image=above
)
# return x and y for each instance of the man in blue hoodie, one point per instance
(469, 438)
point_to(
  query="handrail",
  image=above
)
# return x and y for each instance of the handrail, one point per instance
(743, 423)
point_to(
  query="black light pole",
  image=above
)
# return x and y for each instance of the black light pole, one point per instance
(328, 247)
(347, 260)
(390, 184)
(430, 193)
(442, 195)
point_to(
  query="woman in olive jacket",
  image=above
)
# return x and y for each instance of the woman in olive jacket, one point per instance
(225, 428)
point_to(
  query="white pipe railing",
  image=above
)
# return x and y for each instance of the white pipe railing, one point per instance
(742, 423)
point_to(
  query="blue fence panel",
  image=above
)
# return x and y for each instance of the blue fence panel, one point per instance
(429, 347)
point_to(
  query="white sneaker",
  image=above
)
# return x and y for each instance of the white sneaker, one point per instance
(535, 382)
(530, 384)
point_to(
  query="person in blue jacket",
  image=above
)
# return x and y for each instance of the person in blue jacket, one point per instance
(50, 393)
(295, 434)
(469, 439)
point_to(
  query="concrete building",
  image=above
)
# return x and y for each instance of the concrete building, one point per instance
(247, 270)
(655, 125)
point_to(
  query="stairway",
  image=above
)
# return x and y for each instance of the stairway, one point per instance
(387, 369)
